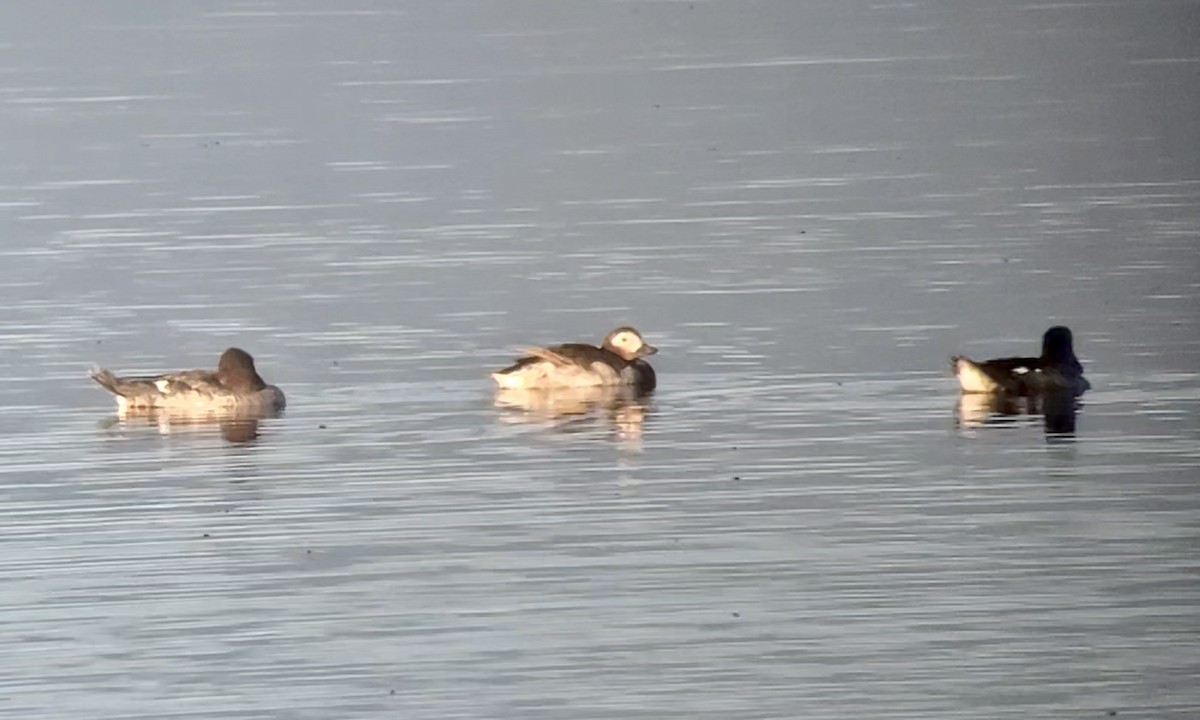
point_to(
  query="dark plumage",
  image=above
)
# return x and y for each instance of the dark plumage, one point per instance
(1056, 369)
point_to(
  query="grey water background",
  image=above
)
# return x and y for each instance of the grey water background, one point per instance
(807, 205)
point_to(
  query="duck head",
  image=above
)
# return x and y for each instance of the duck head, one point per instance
(628, 344)
(236, 371)
(1057, 344)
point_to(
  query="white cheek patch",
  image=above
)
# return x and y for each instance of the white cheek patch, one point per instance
(163, 386)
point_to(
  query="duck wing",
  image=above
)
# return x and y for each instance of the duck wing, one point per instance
(1011, 366)
(579, 354)
(200, 382)
(571, 354)
(567, 355)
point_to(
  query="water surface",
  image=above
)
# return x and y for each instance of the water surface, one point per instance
(807, 206)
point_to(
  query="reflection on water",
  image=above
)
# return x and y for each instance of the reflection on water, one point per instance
(235, 426)
(624, 409)
(1057, 410)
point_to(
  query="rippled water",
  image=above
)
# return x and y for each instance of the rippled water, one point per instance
(807, 206)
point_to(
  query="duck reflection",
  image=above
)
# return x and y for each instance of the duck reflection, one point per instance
(235, 427)
(566, 408)
(1057, 408)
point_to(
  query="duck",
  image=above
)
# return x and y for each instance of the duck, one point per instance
(618, 361)
(235, 386)
(1056, 370)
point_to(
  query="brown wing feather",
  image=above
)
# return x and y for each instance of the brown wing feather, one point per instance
(200, 381)
(548, 354)
(565, 356)
(197, 381)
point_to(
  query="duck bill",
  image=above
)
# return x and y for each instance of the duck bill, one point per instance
(646, 350)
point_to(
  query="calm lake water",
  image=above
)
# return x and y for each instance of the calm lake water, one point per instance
(808, 206)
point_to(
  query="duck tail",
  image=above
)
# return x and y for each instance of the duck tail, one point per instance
(107, 380)
(508, 380)
(976, 378)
